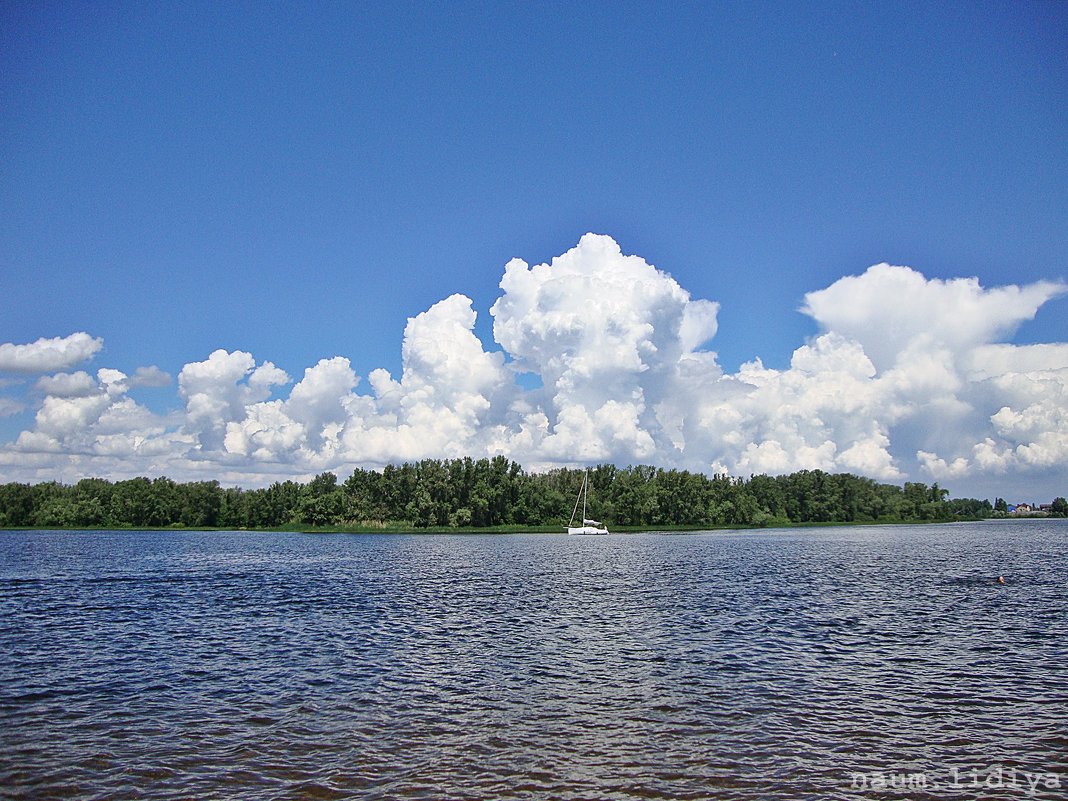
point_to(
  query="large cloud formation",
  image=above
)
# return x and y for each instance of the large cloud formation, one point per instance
(909, 378)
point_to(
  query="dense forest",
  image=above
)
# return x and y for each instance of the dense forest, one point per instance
(480, 493)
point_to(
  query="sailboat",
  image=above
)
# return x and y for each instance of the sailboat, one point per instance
(588, 526)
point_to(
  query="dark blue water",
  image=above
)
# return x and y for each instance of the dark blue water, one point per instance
(791, 664)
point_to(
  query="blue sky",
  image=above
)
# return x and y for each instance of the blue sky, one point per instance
(296, 181)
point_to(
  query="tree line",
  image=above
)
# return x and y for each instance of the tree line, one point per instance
(462, 493)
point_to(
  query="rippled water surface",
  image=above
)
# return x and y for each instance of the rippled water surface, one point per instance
(791, 664)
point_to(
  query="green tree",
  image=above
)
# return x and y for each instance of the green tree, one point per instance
(16, 505)
(321, 502)
(636, 501)
(200, 503)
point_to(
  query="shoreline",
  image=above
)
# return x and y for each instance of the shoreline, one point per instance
(520, 529)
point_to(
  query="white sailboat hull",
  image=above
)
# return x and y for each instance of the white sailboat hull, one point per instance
(576, 530)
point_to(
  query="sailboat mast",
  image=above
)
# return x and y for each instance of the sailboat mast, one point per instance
(575, 510)
(585, 492)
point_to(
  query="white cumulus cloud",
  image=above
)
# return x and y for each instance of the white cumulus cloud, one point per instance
(607, 334)
(217, 391)
(96, 428)
(150, 376)
(888, 308)
(66, 385)
(48, 355)
(451, 395)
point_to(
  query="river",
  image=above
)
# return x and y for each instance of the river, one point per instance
(830, 663)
